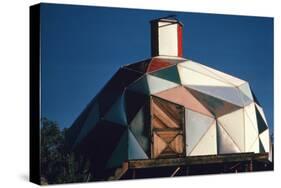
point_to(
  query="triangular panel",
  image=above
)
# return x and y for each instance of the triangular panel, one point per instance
(225, 143)
(250, 112)
(117, 113)
(216, 106)
(120, 154)
(196, 125)
(158, 64)
(230, 79)
(140, 86)
(233, 124)
(133, 102)
(139, 66)
(255, 146)
(156, 84)
(183, 97)
(229, 94)
(140, 127)
(176, 144)
(262, 150)
(246, 90)
(262, 126)
(170, 74)
(264, 137)
(192, 78)
(115, 87)
(251, 134)
(208, 143)
(89, 123)
(158, 145)
(197, 67)
(260, 110)
(135, 151)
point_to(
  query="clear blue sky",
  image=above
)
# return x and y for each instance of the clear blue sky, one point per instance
(83, 46)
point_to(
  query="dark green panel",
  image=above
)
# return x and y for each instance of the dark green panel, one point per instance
(120, 153)
(133, 102)
(170, 74)
(261, 123)
(140, 127)
(139, 66)
(262, 150)
(115, 87)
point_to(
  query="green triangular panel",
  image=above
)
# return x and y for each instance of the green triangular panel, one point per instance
(262, 150)
(120, 153)
(170, 74)
(261, 123)
(140, 128)
(117, 112)
(140, 85)
(135, 151)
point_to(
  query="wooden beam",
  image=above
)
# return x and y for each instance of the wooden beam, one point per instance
(174, 173)
(198, 160)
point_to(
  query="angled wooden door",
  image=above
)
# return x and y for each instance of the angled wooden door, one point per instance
(167, 129)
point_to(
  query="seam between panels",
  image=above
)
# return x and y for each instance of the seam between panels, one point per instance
(252, 123)
(223, 80)
(230, 136)
(212, 95)
(253, 143)
(202, 137)
(219, 75)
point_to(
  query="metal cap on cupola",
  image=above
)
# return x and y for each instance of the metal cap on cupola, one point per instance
(166, 37)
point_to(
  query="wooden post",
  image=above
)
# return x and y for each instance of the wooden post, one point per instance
(187, 168)
(250, 166)
(134, 174)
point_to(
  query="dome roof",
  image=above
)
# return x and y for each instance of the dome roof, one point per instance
(219, 113)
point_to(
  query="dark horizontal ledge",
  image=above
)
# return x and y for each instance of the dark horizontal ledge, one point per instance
(198, 160)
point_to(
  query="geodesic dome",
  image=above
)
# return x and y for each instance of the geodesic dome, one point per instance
(168, 107)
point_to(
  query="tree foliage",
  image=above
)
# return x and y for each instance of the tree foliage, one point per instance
(57, 164)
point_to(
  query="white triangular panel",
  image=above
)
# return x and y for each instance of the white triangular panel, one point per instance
(189, 77)
(251, 134)
(233, 123)
(230, 79)
(255, 146)
(224, 142)
(197, 67)
(207, 144)
(264, 137)
(250, 112)
(245, 89)
(196, 126)
(156, 84)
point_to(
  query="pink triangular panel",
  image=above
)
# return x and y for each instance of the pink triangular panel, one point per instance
(181, 96)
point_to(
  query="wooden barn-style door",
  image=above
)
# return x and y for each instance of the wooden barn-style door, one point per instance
(167, 129)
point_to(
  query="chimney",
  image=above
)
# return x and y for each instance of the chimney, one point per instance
(166, 37)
